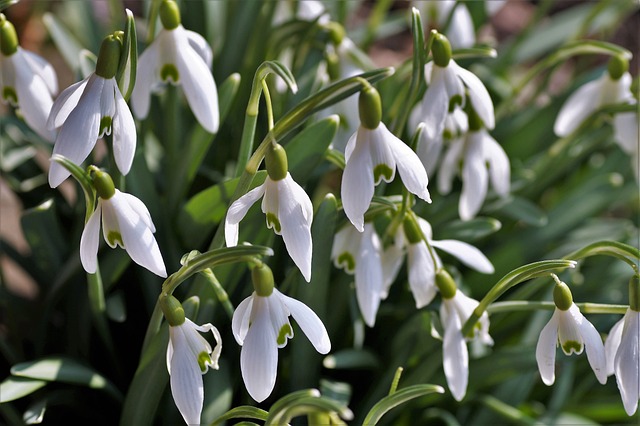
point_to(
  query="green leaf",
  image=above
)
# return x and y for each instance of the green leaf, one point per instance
(6, 3)
(624, 252)
(469, 230)
(34, 415)
(307, 149)
(65, 370)
(13, 388)
(520, 209)
(301, 403)
(242, 412)
(128, 66)
(399, 397)
(351, 359)
(474, 52)
(67, 45)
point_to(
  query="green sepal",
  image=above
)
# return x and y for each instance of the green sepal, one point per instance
(109, 57)
(128, 66)
(441, 50)
(169, 14)
(103, 184)
(262, 279)
(8, 37)
(370, 107)
(446, 284)
(172, 310)
(562, 296)
(276, 162)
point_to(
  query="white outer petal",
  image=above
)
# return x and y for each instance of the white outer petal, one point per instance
(435, 103)
(612, 344)
(466, 253)
(357, 182)
(309, 322)
(449, 167)
(124, 134)
(499, 167)
(295, 214)
(369, 276)
(626, 129)
(455, 357)
(546, 350)
(237, 211)
(139, 207)
(577, 107)
(627, 362)
(412, 172)
(65, 103)
(479, 96)
(147, 76)
(44, 69)
(186, 378)
(90, 240)
(380, 140)
(593, 346)
(422, 275)
(200, 45)
(462, 32)
(474, 178)
(429, 152)
(241, 319)
(392, 259)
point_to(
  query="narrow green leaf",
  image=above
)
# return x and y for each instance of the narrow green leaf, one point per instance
(474, 52)
(520, 209)
(399, 397)
(65, 370)
(13, 388)
(624, 252)
(128, 66)
(469, 230)
(6, 3)
(67, 45)
(242, 412)
(307, 149)
(351, 359)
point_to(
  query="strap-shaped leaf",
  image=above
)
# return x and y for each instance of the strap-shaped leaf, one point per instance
(13, 388)
(399, 397)
(242, 412)
(126, 75)
(6, 3)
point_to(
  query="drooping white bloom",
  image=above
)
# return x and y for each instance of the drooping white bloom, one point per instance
(446, 83)
(189, 356)
(454, 312)
(420, 264)
(180, 57)
(589, 98)
(85, 112)
(28, 82)
(626, 129)
(622, 349)
(372, 156)
(125, 222)
(289, 213)
(261, 326)
(476, 151)
(359, 253)
(573, 332)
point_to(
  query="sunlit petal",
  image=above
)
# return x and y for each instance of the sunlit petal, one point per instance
(310, 324)
(237, 211)
(467, 254)
(546, 350)
(89, 241)
(357, 184)
(422, 276)
(627, 362)
(577, 107)
(241, 319)
(455, 357)
(147, 76)
(593, 345)
(124, 134)
(612, 344)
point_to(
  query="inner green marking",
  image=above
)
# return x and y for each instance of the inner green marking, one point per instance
(571, 346)
(105, 125)
(169, 72)
(203, 359)
(455, 100)
(9, 94)
(347, 260)
(285, 331)
(380, 171)
(114, 238)
(273, 222)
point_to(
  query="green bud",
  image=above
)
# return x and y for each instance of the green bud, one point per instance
(445, 284)
(617, 67)
(475, 122)
(634, 293)
(262, 279)
(276, 162)
(562, 296)
(109, 57)
(103, 184)
(333, 66)
(172, 310)
(412, 229)
(370, 107)
(8, 37)
(336, 32)
(441, 50)
(169, 14)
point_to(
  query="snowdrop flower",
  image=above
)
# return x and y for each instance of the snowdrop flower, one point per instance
(359, 254)
(287, 207)
(126, 222)
(261, 325)
(573, 332)
(90, 109)
(626, 132)
(450, 85)
(189, 357)
(422, 262)
(613, 87)
(180, 57)
(476, 152)
(622, 349)
(455, 310)
(372, 155)
(27, 81)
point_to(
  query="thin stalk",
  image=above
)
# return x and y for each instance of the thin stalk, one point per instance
(220, 292)
(525, 305)
(267, 101)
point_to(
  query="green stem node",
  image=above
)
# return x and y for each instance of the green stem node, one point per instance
(445, 284)
(169, 14)
(276, 162)
(262, 279)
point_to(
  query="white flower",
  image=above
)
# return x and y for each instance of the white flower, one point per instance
(573, 331)
(189, 356)
(421, 268)
(371, 156)
(125, 222)
(626, 132)
(28, 82)
(622, 349)
(180, 57)
(359, 253)
(446, 83)
(289, 212)
(86, 111)
(261, 326)
(476, 151)
(454, 312)
(589, 98)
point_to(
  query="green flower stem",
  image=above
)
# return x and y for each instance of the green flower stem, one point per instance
(518, 275)
(246, 141)
(267, 100)
(628, 254)
(525, 305)
(396, 380)
(220, 292)
(154, 10)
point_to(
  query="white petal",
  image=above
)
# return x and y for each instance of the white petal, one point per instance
(422, 275)
(65, 103)
(259, 355)
(309, 322)
(479, 96)
(90, 240)
(137, 237)
(411, 170)
(186, 378)
(612, 344)
(577, 107)
(237, 211)
(124, 134)
(462, 32)
(435, 103)
(43, 68)
(379, 143)
(241, 319)
(392, 259)
(455, 357)
(199, 88)
(139, 207)
(546, 350)
(626, 128)
(295, 213)
(201, 46)
(147, 77)
(499, 168)
(627, 362)
(346, 241)
(474, 178)
(351, 145)
(449, 167)
(593, 346)
(429, 152)
(467, 254)
(357, 183)
(197, 341)
(369, 276)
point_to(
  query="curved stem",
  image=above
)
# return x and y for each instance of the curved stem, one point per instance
(525, 305)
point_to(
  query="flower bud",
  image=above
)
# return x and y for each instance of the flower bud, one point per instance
(276, 162)
(8, 37)
(370, 107)
(441, 50)
(562, 296)
(172, 310)
(445, 284)
(103, 184)
(262, 279)
(617, 66)
(411, 229)
(109, 57)
(634, 293)
(336, 32)
(169, 14)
